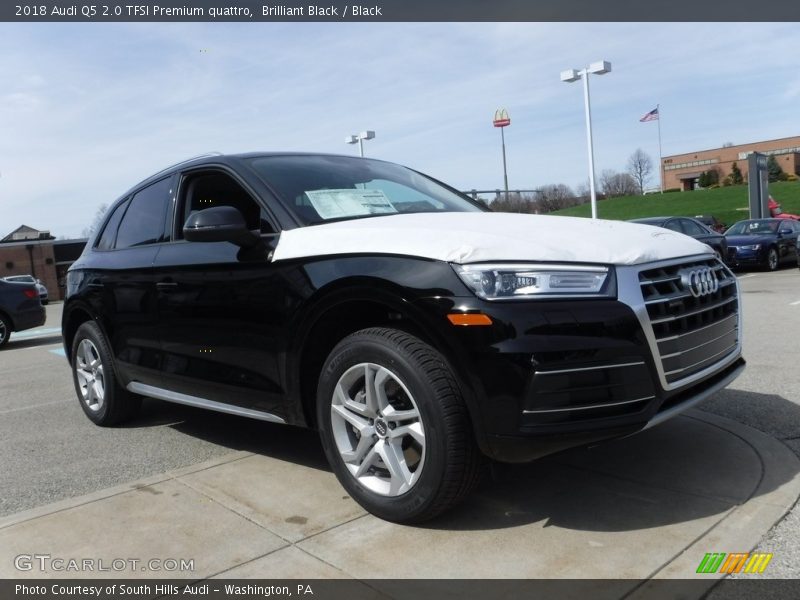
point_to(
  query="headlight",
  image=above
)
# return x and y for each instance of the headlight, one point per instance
(751, 247)
(506, 281)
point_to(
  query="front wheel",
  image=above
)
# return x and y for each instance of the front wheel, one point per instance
(394, 426)
(103, 400)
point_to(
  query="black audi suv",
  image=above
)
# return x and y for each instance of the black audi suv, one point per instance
(415, 330)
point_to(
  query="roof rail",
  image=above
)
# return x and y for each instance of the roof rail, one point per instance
(187, 160)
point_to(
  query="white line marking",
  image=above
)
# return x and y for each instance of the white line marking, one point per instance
(11, 410)
(795, 303)
(747, 276)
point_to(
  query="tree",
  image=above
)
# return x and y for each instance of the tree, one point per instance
(774, 170)
(640, 167)
(617, 184)
(555, 196)
(515, 203)
(97, 221)
(736, 175)
(708, 178)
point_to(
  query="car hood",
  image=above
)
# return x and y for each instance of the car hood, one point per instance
(479, 237)
(749, 240)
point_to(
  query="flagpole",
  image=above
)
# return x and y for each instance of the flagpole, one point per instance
(660, 160)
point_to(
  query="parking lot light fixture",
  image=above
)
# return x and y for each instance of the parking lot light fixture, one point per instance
(359, 139)
(570, 76)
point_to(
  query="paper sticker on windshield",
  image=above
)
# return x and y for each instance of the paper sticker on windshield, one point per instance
(335, 204)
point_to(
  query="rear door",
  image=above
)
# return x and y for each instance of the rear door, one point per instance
(120, 283)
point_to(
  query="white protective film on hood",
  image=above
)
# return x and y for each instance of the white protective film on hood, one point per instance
(480, 237)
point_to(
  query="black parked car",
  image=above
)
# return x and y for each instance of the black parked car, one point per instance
(693, 228)
(765, 243)
(20, 308)
(415, 330)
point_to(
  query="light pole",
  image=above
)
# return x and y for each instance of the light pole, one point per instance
(569, 76)
(502, 120)
(364, 135)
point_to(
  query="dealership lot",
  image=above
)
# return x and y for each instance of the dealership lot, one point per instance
(647, 506)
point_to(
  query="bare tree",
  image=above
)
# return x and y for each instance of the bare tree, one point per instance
(96, 221)
(555, 196)
(617, 184)
(515, 202)
(640, 167)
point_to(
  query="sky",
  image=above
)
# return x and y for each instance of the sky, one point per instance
(88, 110)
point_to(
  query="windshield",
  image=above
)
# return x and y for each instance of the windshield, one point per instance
(757, 227)
(328, 188)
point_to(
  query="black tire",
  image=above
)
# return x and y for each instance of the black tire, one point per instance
(5, 329)
(450, 462)
(772, 260)
(118, 404)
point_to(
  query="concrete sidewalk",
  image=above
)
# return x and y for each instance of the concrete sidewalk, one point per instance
(649, 506)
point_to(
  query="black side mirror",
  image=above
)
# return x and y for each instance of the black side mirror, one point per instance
(219, 224)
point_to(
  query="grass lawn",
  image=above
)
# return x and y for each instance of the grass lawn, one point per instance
(728, 204)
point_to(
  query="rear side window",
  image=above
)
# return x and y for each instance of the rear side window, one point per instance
(692, 228)
(106, 241)
(143, 222)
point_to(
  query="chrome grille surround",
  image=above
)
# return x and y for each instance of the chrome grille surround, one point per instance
(668, 312)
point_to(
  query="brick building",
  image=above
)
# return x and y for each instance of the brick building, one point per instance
(28, 251)
(683, 170)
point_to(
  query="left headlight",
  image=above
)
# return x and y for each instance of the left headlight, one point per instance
(526, 281)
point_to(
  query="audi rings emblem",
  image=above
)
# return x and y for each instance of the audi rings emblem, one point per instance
(700, 282)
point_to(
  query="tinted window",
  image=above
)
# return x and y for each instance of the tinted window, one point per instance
(214, 188)
(106, 241)
(674, 225)
(143, 222)
(692, 228)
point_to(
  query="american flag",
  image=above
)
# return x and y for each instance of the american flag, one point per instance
(651, 116)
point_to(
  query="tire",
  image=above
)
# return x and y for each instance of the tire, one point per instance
(415, 455)
(101, 397)
(772, 260)
(5, 330)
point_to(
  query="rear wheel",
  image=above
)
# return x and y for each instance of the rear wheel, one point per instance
(772, 259)
(103, 400)
(394, 426)
(5, 330)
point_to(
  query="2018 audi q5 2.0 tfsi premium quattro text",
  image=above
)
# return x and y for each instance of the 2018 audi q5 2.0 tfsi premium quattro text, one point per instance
(417, 331)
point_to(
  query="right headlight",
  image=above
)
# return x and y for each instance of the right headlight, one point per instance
(527, 281)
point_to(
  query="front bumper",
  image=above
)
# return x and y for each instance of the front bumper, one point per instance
(742, 257)
(553, 374)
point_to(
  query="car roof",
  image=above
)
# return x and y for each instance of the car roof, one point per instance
(658, 220)
(212, 158)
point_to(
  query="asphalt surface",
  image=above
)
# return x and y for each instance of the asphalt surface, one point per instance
(49, 451)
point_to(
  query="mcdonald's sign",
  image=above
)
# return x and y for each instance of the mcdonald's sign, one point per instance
(735, 562)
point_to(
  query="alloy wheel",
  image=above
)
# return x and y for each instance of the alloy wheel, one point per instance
(378, 429)
(90, 373)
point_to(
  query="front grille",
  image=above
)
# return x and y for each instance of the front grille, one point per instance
(692, 333)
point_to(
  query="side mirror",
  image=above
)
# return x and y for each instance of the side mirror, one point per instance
(219, 224)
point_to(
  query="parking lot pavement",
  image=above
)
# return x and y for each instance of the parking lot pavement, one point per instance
(256, 499)
(643, 507)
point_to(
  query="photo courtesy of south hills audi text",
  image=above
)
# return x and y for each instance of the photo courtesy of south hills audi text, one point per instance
(148, 590)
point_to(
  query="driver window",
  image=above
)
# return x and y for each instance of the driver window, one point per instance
(214, 188)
